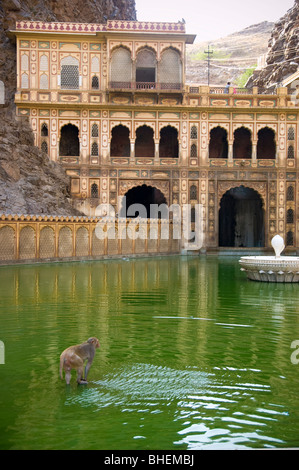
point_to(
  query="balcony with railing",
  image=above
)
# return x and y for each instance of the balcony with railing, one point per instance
(148, 86)
(220, 90)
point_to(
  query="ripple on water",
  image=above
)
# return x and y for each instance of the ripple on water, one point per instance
(145, 382)
(209, 410)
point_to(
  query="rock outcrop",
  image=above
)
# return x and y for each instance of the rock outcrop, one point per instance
(29, 182)
(283, 55)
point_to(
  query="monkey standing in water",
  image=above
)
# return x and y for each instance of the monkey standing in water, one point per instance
(74, 358)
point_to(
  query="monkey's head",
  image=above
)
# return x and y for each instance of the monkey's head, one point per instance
(94, 341)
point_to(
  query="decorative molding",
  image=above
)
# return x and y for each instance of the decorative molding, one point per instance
(88, 28)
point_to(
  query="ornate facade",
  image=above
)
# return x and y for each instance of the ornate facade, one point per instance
(111, 104)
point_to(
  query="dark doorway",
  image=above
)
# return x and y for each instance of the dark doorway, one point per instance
(69, 141)
(242, 147)
(120, 142)
(145, 195)
(218, 146)
(266, 146)
(168, 145)
(144, 144)
(241, 219)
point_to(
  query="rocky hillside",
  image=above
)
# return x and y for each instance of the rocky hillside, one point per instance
(29, 182)
(232, 55)
(283, 56)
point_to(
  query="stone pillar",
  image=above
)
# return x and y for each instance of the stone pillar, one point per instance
(156, 151)
(230, 151)
(254, 148)
(132, 150)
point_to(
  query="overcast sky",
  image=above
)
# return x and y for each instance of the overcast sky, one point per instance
(215, 18)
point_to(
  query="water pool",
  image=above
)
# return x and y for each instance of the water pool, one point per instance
(193, 356)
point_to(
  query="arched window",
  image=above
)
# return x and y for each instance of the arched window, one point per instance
(290, 238)
(95, 65)
(94, 149)
(266, 146)
(44, 63)
(146, 64)
(120, 142)
(291, 133)
(44, 130)
(193, 192)
(69, 141)
(24, 62)
(170, 69)
(291, 151)
(121, 67)
(193, 151)
(168, 145)
(242, 147)
(44, 82)
(44, 146)
(144, 143)
(69, 73)
(94, 190)
(193, 132)
(95, 83)
(290, 216)
(290, 193)
(218, 145)
(24, 80)
(95, 130)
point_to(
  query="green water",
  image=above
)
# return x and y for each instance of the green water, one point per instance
(193, 356)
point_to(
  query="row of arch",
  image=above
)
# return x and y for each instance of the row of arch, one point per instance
(77, 243)
(69, 144)
(123, 69)
(144, 145)
(145, 68)
(242, 145)
(241, 215)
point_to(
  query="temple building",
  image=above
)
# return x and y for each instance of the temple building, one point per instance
(110, 103)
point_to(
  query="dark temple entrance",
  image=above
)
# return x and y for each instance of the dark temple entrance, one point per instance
(145, 195)
(241, 219)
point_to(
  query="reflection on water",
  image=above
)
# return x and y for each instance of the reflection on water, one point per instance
(193, 355)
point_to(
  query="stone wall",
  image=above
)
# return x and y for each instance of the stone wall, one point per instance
(48, 238)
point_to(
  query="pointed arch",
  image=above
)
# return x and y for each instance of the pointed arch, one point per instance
(218, 145)
(121, 66)
(146, 66)
(242, 146)
(241, 218)
(146, 196)
(168, 144)
(144, 143)
(69, 73)
(266, 145)
(69, 144)
(120, 141)
(170, 68)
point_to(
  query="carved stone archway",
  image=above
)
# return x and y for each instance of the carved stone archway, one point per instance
(241, 216)
(126, 184)
(259, 186)
(145, 194)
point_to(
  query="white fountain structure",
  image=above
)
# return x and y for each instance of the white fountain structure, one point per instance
(272, 268)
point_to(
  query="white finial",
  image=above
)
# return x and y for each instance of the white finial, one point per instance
(278, 245)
